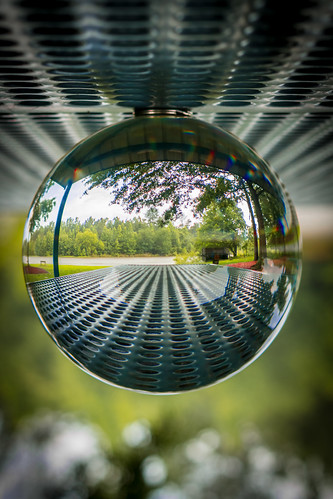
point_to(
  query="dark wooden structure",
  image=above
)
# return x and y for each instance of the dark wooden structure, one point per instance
(215, 254)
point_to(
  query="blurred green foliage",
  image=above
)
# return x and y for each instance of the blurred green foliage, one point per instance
(287, 392)
(113, 238)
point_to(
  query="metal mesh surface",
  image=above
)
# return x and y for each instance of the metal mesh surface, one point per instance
(69, 67)
(162, 328)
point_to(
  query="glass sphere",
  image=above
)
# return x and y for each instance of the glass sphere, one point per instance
(162, 254)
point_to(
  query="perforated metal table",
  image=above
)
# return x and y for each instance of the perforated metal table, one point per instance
(162, 328)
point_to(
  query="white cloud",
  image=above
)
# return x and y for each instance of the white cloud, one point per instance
(96, 203)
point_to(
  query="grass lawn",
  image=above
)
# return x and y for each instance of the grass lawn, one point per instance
(239, 259)
(63, 270)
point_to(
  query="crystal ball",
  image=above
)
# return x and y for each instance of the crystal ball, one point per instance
(162, 254)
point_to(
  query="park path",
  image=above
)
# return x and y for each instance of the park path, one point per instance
(69, 260)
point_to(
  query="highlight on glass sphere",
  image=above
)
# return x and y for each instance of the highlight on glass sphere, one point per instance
(162, 254)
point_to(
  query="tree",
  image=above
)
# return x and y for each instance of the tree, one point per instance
(42, 207)
(273, 219)
(169, 185)
(87, 243)
(107, 237)
(236, 189)
(162, 243)
(255, 193)
(44, 242)
(222, 227)
(128, 240)
(152, 215)
(66, 245)
(254, 226)
(146, 239)
(175, 188)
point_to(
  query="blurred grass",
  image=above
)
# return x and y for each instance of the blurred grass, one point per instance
(239, 259)
(287, 392)
(63, 270)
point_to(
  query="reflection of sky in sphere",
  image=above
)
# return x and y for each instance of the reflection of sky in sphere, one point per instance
(95, 204)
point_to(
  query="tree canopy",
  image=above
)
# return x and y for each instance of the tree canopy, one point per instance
(42, 207)
(173, 187)
(222, 226)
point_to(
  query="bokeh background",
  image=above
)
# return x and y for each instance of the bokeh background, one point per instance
(71, 68)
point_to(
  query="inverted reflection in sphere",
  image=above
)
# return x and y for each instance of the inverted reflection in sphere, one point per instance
(162, 254)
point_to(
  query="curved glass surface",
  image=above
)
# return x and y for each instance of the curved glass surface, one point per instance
(162, 254)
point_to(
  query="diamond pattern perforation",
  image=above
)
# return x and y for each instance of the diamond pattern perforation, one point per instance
(170, 54)
(159, 328)
(68, 68)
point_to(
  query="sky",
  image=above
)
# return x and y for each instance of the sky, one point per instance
(97, 204)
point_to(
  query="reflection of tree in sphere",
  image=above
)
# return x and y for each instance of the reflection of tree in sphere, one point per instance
(199, 246)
